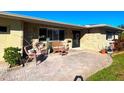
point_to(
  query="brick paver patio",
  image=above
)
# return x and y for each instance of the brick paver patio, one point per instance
(64, 68)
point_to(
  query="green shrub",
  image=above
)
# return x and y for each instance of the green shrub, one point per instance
(12, 55)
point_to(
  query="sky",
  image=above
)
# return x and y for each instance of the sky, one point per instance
(113, 18)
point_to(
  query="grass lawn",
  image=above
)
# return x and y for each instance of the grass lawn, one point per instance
(113, 72)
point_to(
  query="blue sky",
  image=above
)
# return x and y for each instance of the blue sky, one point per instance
(114, 18)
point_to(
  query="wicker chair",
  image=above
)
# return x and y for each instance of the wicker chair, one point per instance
(30, 55)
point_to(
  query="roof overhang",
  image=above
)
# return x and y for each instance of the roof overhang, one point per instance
(104, 26)
(55, 23)
(39, 21)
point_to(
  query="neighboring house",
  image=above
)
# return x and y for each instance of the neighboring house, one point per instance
(16, 30)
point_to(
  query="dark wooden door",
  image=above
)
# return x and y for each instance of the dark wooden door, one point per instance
(76, 39)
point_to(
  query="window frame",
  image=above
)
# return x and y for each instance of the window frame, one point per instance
(7, 29)
(53, 29)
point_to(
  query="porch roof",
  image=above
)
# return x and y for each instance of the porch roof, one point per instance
(39, 20)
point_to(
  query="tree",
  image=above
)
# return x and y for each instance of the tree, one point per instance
(121, 26)
(121, 36)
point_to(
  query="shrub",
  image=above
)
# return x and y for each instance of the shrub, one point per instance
(12, 55)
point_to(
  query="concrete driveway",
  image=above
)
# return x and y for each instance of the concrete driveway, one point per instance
(63, 68)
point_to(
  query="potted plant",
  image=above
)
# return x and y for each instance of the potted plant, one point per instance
(103, 51)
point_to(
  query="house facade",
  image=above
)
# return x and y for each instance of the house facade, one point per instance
(18, 31)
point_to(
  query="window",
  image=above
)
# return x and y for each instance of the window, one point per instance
(110, 35)
(42, 34)
(61, 34)
(3, 29)
(49, 34)
(52, 34)
(55, 35)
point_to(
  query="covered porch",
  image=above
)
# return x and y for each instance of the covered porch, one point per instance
(49, 34)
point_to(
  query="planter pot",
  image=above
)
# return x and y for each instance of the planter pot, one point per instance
(103, 51)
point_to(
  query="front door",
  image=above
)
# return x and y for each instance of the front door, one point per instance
(76, 39)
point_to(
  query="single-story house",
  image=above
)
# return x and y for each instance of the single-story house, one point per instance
(17, 30)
